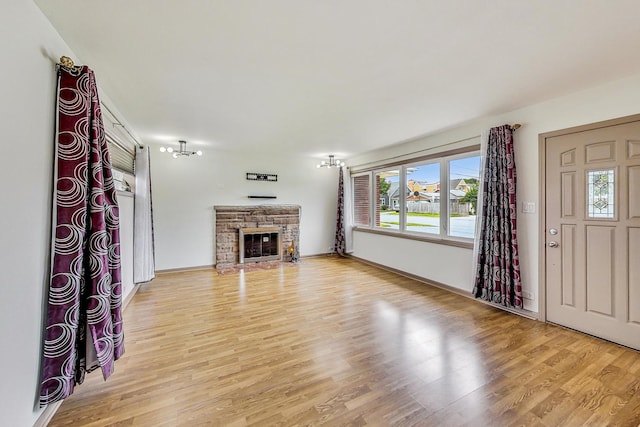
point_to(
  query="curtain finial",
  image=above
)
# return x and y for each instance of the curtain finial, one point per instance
(67, 62)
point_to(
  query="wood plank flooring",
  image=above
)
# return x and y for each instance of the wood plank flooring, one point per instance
(336, 342)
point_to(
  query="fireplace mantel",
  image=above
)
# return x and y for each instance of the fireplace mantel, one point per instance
(229, 219)
(269, 207)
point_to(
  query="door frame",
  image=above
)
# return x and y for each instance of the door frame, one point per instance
(542, 197)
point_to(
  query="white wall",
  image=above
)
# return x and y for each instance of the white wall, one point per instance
(30, 48)
(454, 266)
(186, 189)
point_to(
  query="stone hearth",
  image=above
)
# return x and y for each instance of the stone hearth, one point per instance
(230, 219)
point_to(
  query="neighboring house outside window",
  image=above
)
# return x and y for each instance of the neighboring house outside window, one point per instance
(406, 199)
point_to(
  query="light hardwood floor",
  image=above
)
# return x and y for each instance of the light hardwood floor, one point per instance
(336, 342)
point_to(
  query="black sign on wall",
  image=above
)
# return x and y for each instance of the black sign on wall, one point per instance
(253, 176)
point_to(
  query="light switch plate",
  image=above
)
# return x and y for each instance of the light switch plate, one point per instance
(528, 207)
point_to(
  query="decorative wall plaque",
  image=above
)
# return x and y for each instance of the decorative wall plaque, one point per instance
(253, 176)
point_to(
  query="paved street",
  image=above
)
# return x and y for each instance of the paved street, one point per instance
(462, 226)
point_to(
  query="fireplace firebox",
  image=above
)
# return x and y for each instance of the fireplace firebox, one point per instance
(259, 244)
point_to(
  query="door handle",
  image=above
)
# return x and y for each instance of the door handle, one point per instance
(552, 244)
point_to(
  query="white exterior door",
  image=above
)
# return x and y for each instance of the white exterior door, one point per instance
(592, 231)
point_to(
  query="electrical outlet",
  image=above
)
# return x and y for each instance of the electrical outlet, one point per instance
(527, 295)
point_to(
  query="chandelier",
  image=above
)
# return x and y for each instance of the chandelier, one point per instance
(182, 151)
(333, 162)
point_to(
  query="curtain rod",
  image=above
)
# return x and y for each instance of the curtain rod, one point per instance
(366, 165)
(411, 154)
(67, 62)
(117, 123)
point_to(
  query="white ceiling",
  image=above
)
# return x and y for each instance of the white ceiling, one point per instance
(339, 76)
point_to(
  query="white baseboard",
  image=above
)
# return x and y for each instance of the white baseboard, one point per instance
(50, 410)
(47, 415)
(467, 294)
(183, 269)
(130, 296)
(318, 255)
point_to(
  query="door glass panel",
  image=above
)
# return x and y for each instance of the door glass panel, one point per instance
(600, 193)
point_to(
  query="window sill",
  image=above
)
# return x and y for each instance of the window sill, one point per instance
(414, 236)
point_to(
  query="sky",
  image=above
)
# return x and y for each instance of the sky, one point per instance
(467, 167)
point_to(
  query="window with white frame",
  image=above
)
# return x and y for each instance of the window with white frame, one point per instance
(361, 199)
(122, 164)
(387, 186)
(430, 198)
(422, 214)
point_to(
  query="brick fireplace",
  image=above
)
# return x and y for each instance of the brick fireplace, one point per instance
(231, 219)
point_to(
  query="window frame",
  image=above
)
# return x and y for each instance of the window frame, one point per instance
(353, 192)
(443, 158)
(375, 180)
(433, 160)
(122, 166)
(449, 179)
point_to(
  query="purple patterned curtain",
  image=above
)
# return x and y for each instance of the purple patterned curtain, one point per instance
(83, 323)
(498, 269)
(339, 245)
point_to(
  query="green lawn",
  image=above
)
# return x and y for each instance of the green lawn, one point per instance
(434, 215)
(409, 224)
